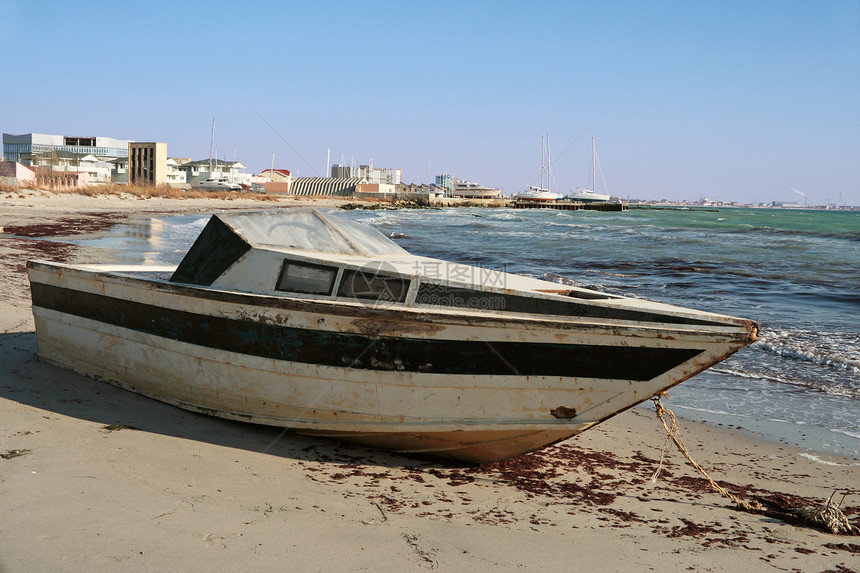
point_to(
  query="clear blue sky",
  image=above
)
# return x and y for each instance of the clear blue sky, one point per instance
(745, 100)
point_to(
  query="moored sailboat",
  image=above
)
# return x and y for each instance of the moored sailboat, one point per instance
(591, 195)
(541, 193)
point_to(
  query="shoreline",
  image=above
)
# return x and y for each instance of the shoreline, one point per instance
(168, 489)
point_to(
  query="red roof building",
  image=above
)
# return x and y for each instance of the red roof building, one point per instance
(279, 175)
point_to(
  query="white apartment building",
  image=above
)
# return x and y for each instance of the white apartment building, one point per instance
(368, 174)
(94, 156)
(38, 147)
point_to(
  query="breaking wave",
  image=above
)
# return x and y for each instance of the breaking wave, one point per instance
(831, 350)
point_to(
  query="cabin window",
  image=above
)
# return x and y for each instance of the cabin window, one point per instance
(305, 278)
(372, 286)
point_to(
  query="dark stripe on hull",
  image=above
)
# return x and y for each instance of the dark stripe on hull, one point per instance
(359, 351)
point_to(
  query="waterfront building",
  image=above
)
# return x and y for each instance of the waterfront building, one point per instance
(277, 175)
(119, 171)
(277, 181)
(37, 148)
(147, 164)
(375, 189)
(91, 159)
(98, 170)
(342, 187)
(215, 169)
(175, 176)
(368, 174)
(454, 187)
(446, 182)
(14, 173)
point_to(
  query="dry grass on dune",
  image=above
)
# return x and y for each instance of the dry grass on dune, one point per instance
(162, 191)
(7, 188)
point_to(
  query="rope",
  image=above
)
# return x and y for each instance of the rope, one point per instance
(675, 434)
(828, 516)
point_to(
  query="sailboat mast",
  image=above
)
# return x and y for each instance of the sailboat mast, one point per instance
(593, 168)
(548, 167)
(541, 161)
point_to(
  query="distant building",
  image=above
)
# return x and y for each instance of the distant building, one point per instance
(147, 164)
(215, 169)
(93, 156)
(277, 175)
(367, 173)
(454, 187)
(119, 171)
(33, 148)
(14, 173)
(98, 171)
(274, 181)
(446, 182)
(50, 179)
(175, 176)
(343, 187)
(375, 188)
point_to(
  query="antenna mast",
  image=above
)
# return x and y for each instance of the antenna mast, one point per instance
(211, 146)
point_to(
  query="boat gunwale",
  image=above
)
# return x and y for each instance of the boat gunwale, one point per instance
(744, 332)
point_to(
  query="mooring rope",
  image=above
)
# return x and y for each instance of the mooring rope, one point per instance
(675, 434)
(828, 516)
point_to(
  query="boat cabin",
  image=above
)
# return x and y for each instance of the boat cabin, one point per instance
(311, 254)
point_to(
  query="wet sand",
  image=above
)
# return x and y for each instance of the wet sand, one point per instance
(95, 478)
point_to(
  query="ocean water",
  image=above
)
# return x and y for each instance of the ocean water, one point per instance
(796, 272)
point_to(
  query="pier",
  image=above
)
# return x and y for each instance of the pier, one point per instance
(569, 205)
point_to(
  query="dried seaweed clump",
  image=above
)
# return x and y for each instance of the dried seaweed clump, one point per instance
(14, 454)
(828, 517)
(117, 427)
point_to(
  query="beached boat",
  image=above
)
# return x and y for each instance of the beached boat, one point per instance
(305, 320)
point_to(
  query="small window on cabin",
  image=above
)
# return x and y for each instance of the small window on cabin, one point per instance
(306, 279)
(371, 286)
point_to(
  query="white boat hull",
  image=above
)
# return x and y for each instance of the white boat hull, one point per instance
(135, 333)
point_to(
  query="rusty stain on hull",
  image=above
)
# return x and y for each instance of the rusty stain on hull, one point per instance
(563, 413)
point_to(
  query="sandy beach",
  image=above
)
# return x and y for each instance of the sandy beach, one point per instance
(96, 478)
